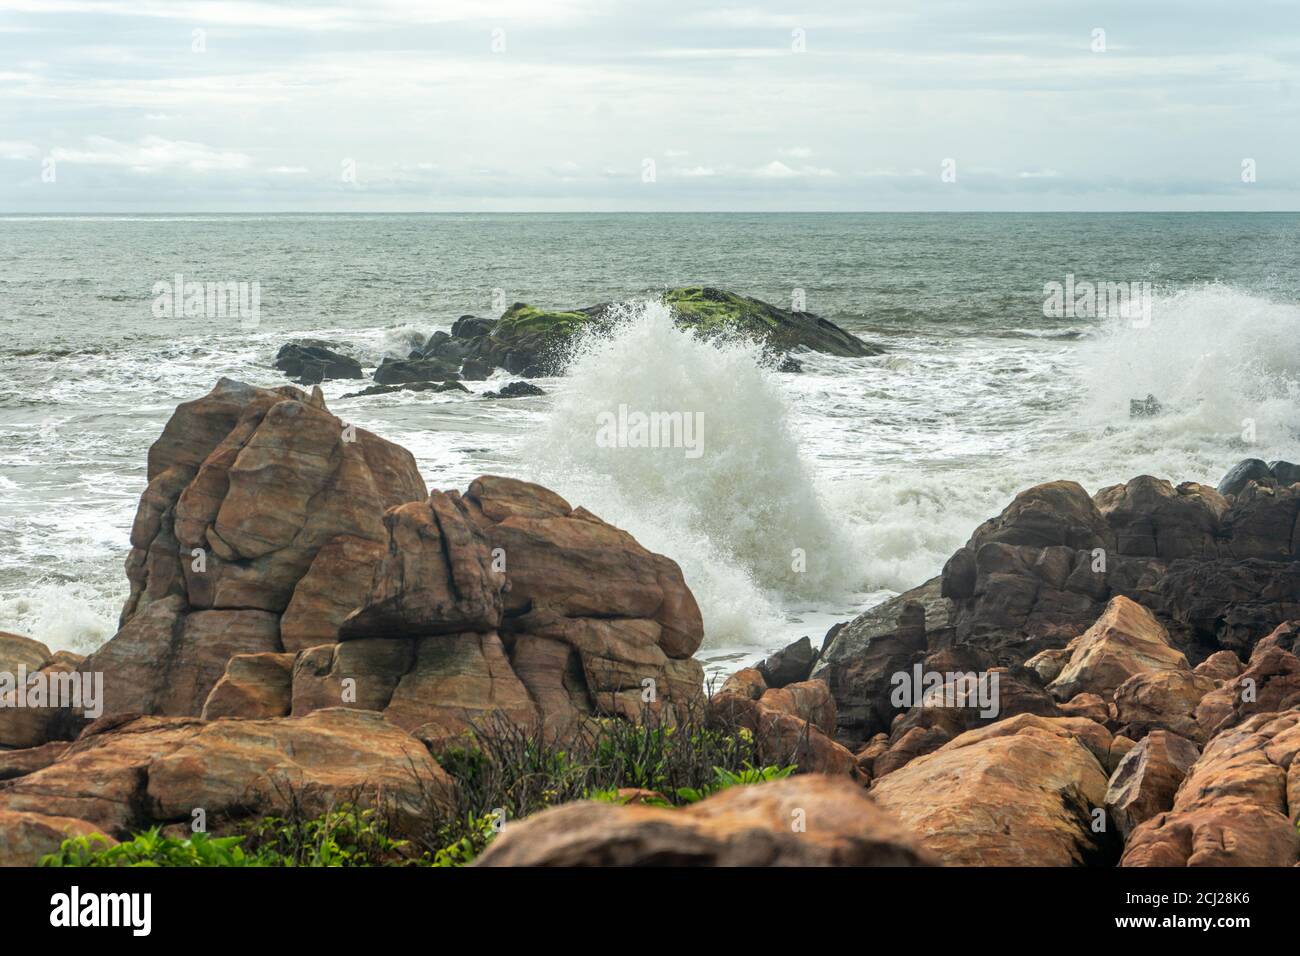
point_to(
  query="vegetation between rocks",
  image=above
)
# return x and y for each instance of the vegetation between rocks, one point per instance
(499, 771)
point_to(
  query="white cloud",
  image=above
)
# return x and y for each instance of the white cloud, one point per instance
(11, 150)
(152, 153)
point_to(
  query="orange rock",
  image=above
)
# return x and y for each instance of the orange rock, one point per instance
(26, 837)
(1232, 808)
(807, 820)
(1147, 778)
(254, 685)
(1126, 640)
(1021, 792)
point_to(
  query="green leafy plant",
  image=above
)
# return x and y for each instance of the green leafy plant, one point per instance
(150, 848)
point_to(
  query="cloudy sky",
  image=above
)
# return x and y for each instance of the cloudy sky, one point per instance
(408, 105)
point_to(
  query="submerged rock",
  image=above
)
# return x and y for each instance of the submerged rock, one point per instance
(1144, 407)
(515, 390)
(399, 371)
(408, 387)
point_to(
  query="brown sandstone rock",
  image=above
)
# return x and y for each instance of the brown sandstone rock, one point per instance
(1019, 792)
(260, 504)
(1232, 808)
(230, 766)
(1126, 640)
(1086, 705)
(747, 682)
(254, 685)
(26, 837)
(1147, 778)
(807, 820)
(1220, 666)
(1165, 699)
(17, 651)
(1270, 682)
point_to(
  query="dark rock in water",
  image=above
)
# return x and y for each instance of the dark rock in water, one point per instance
(789, 665)
(472, 327)
(715, 310)
(409, 387)
(398, 371)
(532, 342)
(1285, 472)
(515, 390)
(790, 364)
(474, 370)
(313, 363)
(1252, 469)
(1144, 407)
(443, 346)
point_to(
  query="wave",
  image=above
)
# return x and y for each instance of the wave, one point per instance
(744, 519)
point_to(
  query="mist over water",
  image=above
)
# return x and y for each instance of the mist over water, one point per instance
(877, 467)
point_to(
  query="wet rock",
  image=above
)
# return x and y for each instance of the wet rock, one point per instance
(792, 663)
(741, 826)
(1242, 474)
(1144, 407)
(400, 371)
(515, 390)
(408, 387)
(312, 363)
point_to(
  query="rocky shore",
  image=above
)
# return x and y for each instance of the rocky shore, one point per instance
(1092, 680)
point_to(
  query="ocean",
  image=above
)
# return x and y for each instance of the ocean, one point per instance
(815, 495)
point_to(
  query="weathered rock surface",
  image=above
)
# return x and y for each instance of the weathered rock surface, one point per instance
(1020, 792)
(531, 342)
(1125, 640)
(26, 837)
(263, 510)
(808, 820)
(124, 774)
(1147, 777)
(1237, 806)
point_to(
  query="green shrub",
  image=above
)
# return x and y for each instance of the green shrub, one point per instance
(150, 848)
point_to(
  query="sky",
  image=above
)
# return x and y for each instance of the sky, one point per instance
(671, 105)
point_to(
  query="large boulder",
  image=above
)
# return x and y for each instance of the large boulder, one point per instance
(1147, 778)
(532, 341)
(1126, 640)
(125, 774)
(257, 534)
(808, 820)
(1021, 792)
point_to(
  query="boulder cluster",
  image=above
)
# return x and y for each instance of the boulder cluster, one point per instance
(1142, 644)
(532, 342)
(304, 617)
(1092, 680)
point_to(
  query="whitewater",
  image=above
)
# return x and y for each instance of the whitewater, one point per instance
(816, 495)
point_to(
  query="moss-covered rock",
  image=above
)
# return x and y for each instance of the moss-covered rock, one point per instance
(716, 311)
(531, 341)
